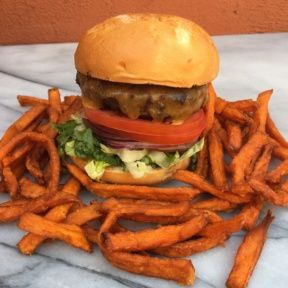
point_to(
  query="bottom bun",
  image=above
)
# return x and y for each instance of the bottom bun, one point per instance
(156, 176)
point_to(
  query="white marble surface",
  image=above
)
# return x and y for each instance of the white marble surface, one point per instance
(249, 64)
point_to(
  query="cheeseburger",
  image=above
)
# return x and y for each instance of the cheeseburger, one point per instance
(143, 79)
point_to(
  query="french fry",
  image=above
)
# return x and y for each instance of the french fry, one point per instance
(242, 189)
(274, 133)
(202, 162)
(235, 115)
(248, 254)
(10, 181)
(214, 204)
(217, 160)
(190, 247)
(275, 175)
(32, 164)
(174, 194)
(280, 152)
(71, 234)
(220, 105)
(234, 135)
(31, 101)
(210, 108)
(164, 236)
(199, 183)
(75, 107)
(55, 109)
(49, 146)
(29, 189)
(22, 123)
(246, 155)
(247, 105)
(253, 208)
(262, 164)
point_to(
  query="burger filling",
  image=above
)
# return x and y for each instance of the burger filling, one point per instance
(152, 102)
(76, 139)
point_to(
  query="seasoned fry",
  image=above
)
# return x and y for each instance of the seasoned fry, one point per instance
(29, 189)
(202, 162)
(71, 234)
(217, 160)
(214, 204)
(10, 181)
(31, 101)
(248, 254)
(247, 154)
(210, 107)
(160, 237)
(234, 135)
(262, 164)
(51, 149)
(275, 175)
(198, 182)
(273, 131)
(174, 194)
(21, 123)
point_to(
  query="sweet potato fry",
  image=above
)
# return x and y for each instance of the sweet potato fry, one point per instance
(202, 162)
(31, 101)
(248, 254)
(247, 154)
(214, 204)
(54, 105)
(75, 107)
(32, 164)
(241, 189)
(236, 115)
(10, 181)
(2, 187)
(68, 100)
(262, 164)
(174, 194)
(275, 175)
(247, 105)
(179, 270)
(280, 152)
(279, 199)
(49, 146)
(274, 133)
(199, 183)
(21, 123)
(253, 210)
(234, 135)
(210, 108)
(190, 247)
(220, 105)
(71, 234)
(284, 186)
(217, 160)
(29, 189)
(160, 237)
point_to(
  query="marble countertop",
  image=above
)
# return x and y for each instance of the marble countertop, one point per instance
(249, 64)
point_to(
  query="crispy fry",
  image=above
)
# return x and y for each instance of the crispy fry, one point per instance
(31, 101)
(210, 107)
(29, 189)
(262, 164)
(248, 254)
(50, 147)
(10, 181)
(174, 194)
(202, 162)
(217, 160)
(247, 154)
(71, 234)
(22, 123)
(234, 135)
(164, 236)
(275, 175)
(247, 105)
(190, 247)
(198, 182)
(273, 131)
(214, 204)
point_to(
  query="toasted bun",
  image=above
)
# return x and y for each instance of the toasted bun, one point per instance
(120, 177)
(148, 48)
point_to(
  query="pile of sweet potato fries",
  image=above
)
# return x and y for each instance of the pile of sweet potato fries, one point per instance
(233, 173)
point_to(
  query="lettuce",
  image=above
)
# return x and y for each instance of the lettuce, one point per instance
(95, 169)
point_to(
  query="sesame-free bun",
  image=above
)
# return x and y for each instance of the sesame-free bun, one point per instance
(156, 176)
(148, 49)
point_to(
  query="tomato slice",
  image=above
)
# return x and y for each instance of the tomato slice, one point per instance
(149, 131)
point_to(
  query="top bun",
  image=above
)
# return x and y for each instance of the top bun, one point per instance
(148, 49)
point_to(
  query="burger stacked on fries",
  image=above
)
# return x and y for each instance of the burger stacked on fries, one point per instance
(144, 82)
(231, 173)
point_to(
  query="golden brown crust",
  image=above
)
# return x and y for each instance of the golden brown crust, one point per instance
(148, 48)
(120, 177)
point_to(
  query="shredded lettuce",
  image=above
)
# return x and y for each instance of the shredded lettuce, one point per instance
(75, 139)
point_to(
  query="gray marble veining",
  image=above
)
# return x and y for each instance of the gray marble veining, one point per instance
(249, 64)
